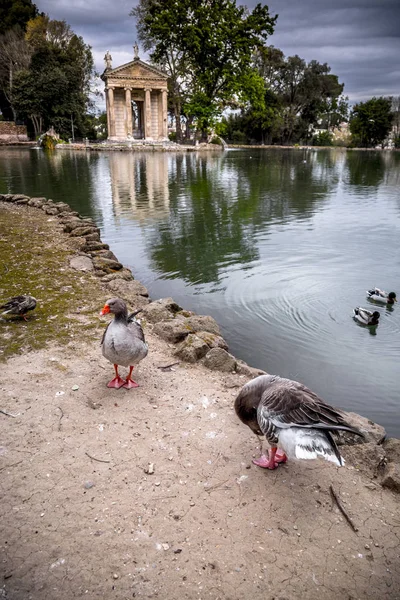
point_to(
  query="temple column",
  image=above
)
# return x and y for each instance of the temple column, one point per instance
(147, 114)
(128, 104)
(164, 109)
(111, 121)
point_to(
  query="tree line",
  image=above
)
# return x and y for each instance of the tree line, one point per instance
(218, 61)
(224, 77)
(46, 71)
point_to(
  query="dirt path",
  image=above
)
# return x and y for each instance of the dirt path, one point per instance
(81, 518)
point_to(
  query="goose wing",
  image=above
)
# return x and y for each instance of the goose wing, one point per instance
(135, 328)
(288, 403)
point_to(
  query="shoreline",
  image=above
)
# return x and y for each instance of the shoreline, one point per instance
(91, 514)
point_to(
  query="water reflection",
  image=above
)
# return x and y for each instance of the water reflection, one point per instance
(227, 203)
(139, 185)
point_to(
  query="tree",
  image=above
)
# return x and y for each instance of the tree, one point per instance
(16, 12)
(214, 40)
(15, 56)
(371, 121)
(14, 15)
(55, 89)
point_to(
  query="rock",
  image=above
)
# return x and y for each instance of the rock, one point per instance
(50, 210)
(72, 223)
(366, 458)
(203, 323)
(243, 368)
(191, 349)
(81, 263)
(127, 289)
(16, 197)
(391, 447)
(219, 359)
(185, 313)
(77, 243)
(66, 216)
(169, 304)
(372, 431)
(124, 273)
(171, 331)
(391, 477)
(212, 340)
(22, 201)
(90, 246)
(156, 313)
(37, 202)
(63, 207)
(93, 237)
(104, 253)
(106, 264)
(82, 231)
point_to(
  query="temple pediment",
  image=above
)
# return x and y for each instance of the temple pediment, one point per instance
(136, 69)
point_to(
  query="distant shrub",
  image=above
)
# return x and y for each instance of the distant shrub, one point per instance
(49, 142)
(216, 140)
(172, 136)
(239, 137)
(397, 141)
(324, 138)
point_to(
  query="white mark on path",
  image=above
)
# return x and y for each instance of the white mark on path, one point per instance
(101, 427)
(58, 563)
(211, 435)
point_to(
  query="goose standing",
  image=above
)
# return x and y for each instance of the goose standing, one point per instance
(123, 342)
(382, 296)
(366, 317)
(292, 417)
(19, 305)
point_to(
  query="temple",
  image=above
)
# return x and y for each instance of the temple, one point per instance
(136, 100)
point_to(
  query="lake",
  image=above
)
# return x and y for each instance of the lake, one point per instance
(278, 246)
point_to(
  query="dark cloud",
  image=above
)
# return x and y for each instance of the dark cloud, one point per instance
(359, 39)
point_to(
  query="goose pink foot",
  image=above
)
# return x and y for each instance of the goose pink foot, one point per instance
(129, 384)
(116, 383)
(272, 461)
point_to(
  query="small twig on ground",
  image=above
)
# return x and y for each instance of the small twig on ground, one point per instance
(168, 367)
(8, 414)
(163, 497)
(62, 414)
(97, 459)
(216, 485)
(342, 510)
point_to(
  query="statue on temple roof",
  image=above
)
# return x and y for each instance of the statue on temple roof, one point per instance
(107, 60)
(136, 51)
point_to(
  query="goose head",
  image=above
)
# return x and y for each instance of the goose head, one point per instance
(392, 298)
(116, 306)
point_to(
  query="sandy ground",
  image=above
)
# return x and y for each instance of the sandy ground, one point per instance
(82, 518)
(206, 524)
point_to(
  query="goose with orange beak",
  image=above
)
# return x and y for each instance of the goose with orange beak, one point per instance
(123, 342)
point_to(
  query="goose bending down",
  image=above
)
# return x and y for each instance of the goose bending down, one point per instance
(366, 317)
(382, 296)
(123, 342)
(292, 417)
(19, 305)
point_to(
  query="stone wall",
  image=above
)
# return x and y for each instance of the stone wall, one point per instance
(10, 132)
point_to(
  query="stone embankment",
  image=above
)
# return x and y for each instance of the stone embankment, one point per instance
(197, 338)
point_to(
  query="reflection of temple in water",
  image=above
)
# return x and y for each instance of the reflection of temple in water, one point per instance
(139, 184)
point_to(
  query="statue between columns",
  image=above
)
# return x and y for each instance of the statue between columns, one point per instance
(107, 60)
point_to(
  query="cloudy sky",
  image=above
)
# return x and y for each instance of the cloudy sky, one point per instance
(359, 39)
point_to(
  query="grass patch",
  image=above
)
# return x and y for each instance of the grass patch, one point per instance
(34, 257)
